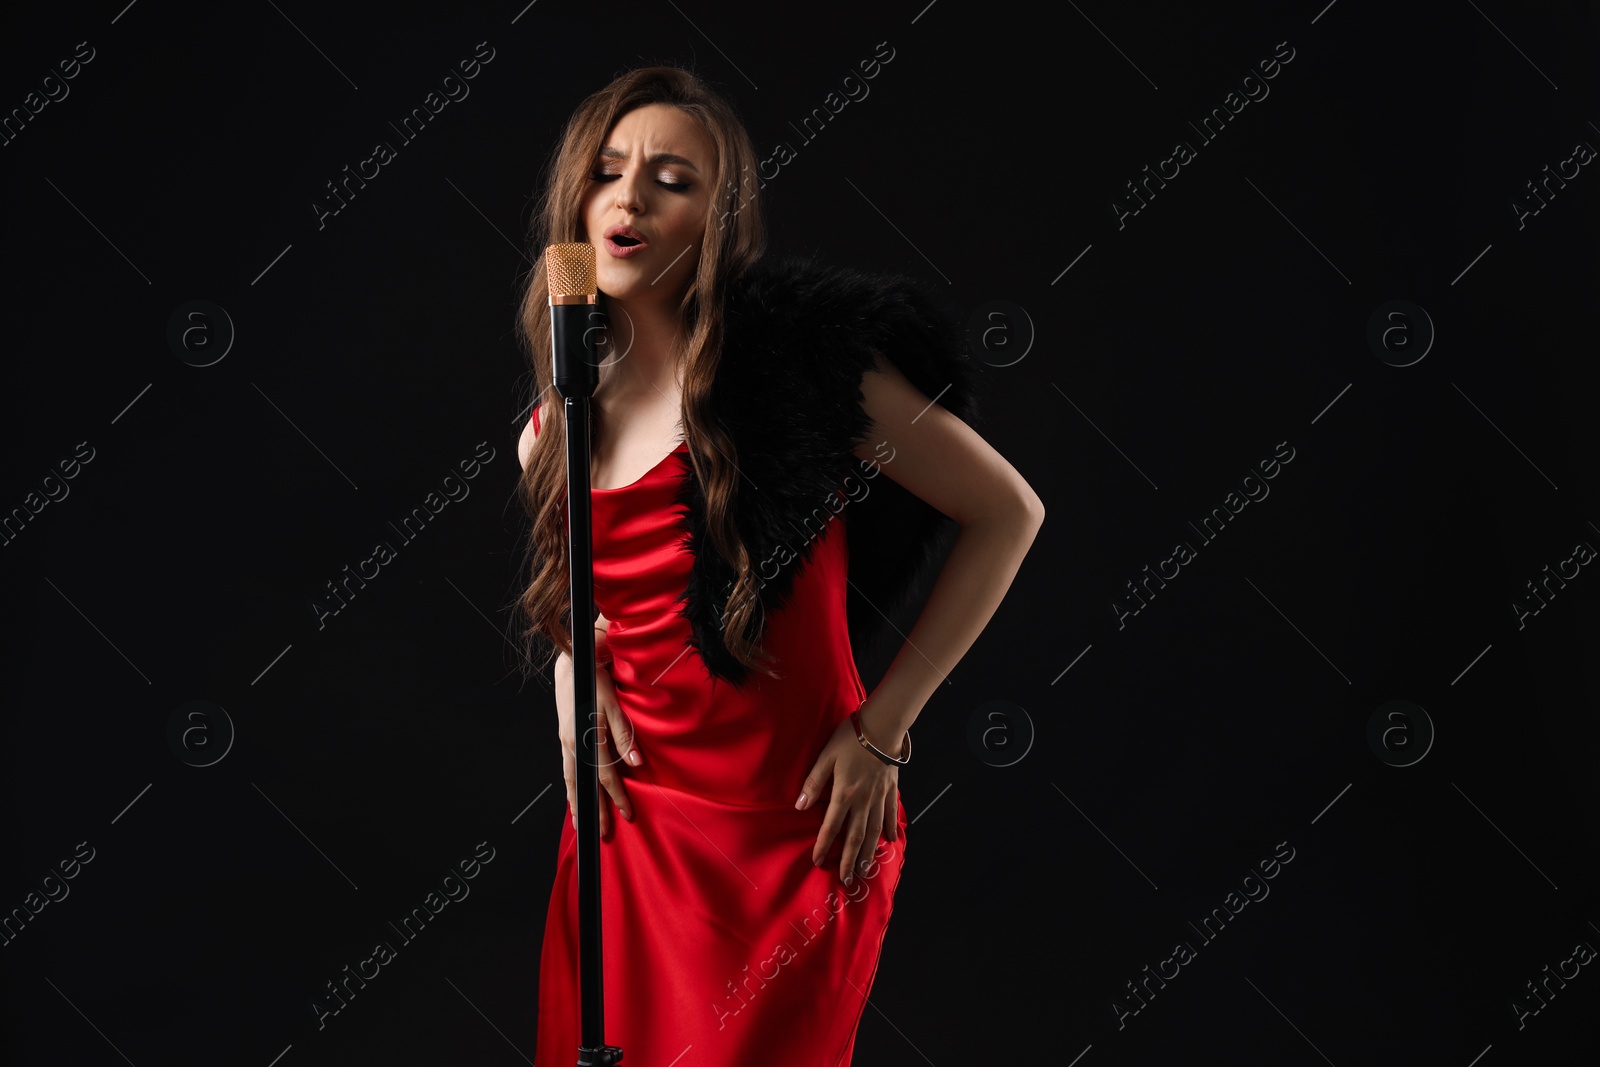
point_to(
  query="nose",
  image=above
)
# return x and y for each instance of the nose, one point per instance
(627, 193)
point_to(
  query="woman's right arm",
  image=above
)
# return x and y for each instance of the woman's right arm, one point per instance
(619, 731)
(601, 623)
(601, 628)
(617, 738)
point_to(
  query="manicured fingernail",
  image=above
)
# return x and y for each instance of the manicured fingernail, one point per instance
(848, 879)
(627, 813)
(801, 803)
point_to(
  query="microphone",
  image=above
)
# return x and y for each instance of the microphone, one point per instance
(570, 271)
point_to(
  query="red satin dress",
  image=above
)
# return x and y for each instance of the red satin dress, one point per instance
(723, 945)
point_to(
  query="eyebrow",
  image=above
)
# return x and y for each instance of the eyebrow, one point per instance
(611, 152)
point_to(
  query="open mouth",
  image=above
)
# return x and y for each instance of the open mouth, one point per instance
(624, 241)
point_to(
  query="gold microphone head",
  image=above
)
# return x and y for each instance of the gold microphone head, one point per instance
(569, 268)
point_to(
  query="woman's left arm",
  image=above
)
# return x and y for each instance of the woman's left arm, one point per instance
(942, 460)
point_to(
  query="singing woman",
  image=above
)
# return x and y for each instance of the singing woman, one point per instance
(780, 451)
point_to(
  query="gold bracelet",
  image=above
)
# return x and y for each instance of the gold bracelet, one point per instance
(855, 717)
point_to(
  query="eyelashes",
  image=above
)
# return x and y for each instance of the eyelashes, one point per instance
(676, 187)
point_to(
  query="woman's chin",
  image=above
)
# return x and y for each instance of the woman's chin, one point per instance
(633, 285)
(626, 286)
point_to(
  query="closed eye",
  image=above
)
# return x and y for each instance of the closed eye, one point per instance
(676, 187)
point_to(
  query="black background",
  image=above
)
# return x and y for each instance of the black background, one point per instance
(375, 352)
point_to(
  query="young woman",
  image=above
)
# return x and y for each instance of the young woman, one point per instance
(771, 474)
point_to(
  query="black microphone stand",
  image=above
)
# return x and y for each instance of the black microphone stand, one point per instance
(574, 314)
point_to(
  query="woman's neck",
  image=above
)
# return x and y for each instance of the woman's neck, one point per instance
(649, 355)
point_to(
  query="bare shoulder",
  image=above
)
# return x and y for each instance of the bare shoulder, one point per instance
(525, 443)
(935, 455)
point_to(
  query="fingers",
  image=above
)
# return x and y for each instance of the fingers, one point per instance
(812, 787)
(855, 836)
(610, 775)
(859, 849)
(622, 735)
(832, 822)
(610, 738)
(854, 814)
(869, 844)
(604, 756)
(569, 771)
(614, 792)
(611, 782)
(607, 773)
(862, 821)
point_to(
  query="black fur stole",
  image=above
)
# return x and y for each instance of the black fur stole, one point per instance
(798, 337)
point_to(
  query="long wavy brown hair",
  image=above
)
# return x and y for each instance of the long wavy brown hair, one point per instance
(733, 239)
